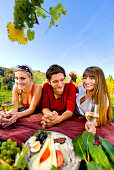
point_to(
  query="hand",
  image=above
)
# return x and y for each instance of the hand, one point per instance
(10, 121)
(3, 117)
(90, 127)
(50, 120)
(72, 73)
(9, 114)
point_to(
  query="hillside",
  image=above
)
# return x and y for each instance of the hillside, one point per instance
(7, 78)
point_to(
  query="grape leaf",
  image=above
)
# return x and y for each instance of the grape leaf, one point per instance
(40, 12)
(64, 11)
(56, 12)
(30, 34)
(108, 147)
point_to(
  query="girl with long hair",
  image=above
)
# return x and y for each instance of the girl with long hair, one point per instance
(93, 91)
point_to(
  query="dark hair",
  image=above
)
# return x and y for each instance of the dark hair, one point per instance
(54, 69)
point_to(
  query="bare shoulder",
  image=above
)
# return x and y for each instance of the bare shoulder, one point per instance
(37, 86)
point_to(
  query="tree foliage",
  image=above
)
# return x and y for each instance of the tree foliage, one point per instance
(7, 78)
(110, 84)
(26, 15)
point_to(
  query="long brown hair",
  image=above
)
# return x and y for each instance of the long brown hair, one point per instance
(100, 94)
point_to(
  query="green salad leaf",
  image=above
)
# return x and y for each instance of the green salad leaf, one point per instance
(20, 162)
(54, 168)
(47, 132)
(4, 167)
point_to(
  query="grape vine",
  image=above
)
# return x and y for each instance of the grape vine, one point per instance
(26, 14)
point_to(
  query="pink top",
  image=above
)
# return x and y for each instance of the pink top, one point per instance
(65, 102)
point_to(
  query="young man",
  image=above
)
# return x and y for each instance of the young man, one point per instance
(58, 99)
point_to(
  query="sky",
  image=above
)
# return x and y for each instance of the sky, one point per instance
(83, 38)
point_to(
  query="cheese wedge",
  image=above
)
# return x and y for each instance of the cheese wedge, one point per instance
(53, 153)
(35, 163)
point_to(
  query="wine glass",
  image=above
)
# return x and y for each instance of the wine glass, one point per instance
(92, 116)
(5, 106)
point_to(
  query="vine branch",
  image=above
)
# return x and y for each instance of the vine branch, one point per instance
(36, 18)
(45, 10)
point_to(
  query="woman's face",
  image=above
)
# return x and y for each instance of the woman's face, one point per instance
(22, 80)
(89, 83)
(58, 82)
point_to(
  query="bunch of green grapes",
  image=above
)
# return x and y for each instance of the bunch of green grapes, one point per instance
(24, 12)
(8, 151)
(37, 2)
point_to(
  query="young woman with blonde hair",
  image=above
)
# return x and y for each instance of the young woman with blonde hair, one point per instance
(24, 91)
(93, 91)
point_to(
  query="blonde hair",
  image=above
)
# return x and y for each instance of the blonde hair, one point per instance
(24, 68)
(100, 94)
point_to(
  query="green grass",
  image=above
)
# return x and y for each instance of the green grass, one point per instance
(5, 97)
(112, 103)
(113, 112)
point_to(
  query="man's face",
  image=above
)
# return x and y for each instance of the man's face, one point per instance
(58, 82)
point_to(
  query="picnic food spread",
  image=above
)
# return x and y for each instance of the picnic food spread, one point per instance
(51, 149)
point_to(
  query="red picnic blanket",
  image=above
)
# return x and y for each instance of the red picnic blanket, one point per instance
(27, 126)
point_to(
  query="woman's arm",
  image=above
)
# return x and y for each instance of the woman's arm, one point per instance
(92, 128)
(15, 99)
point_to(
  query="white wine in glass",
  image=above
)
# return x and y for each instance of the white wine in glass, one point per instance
(93, 116)
(4, 106)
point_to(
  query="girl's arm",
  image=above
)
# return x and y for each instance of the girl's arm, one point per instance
(15, 99)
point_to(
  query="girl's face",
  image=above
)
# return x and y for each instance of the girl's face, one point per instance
(22, 80)
(89, 83)
(58, 82)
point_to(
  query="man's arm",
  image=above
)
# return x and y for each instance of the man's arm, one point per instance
(53, 118)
